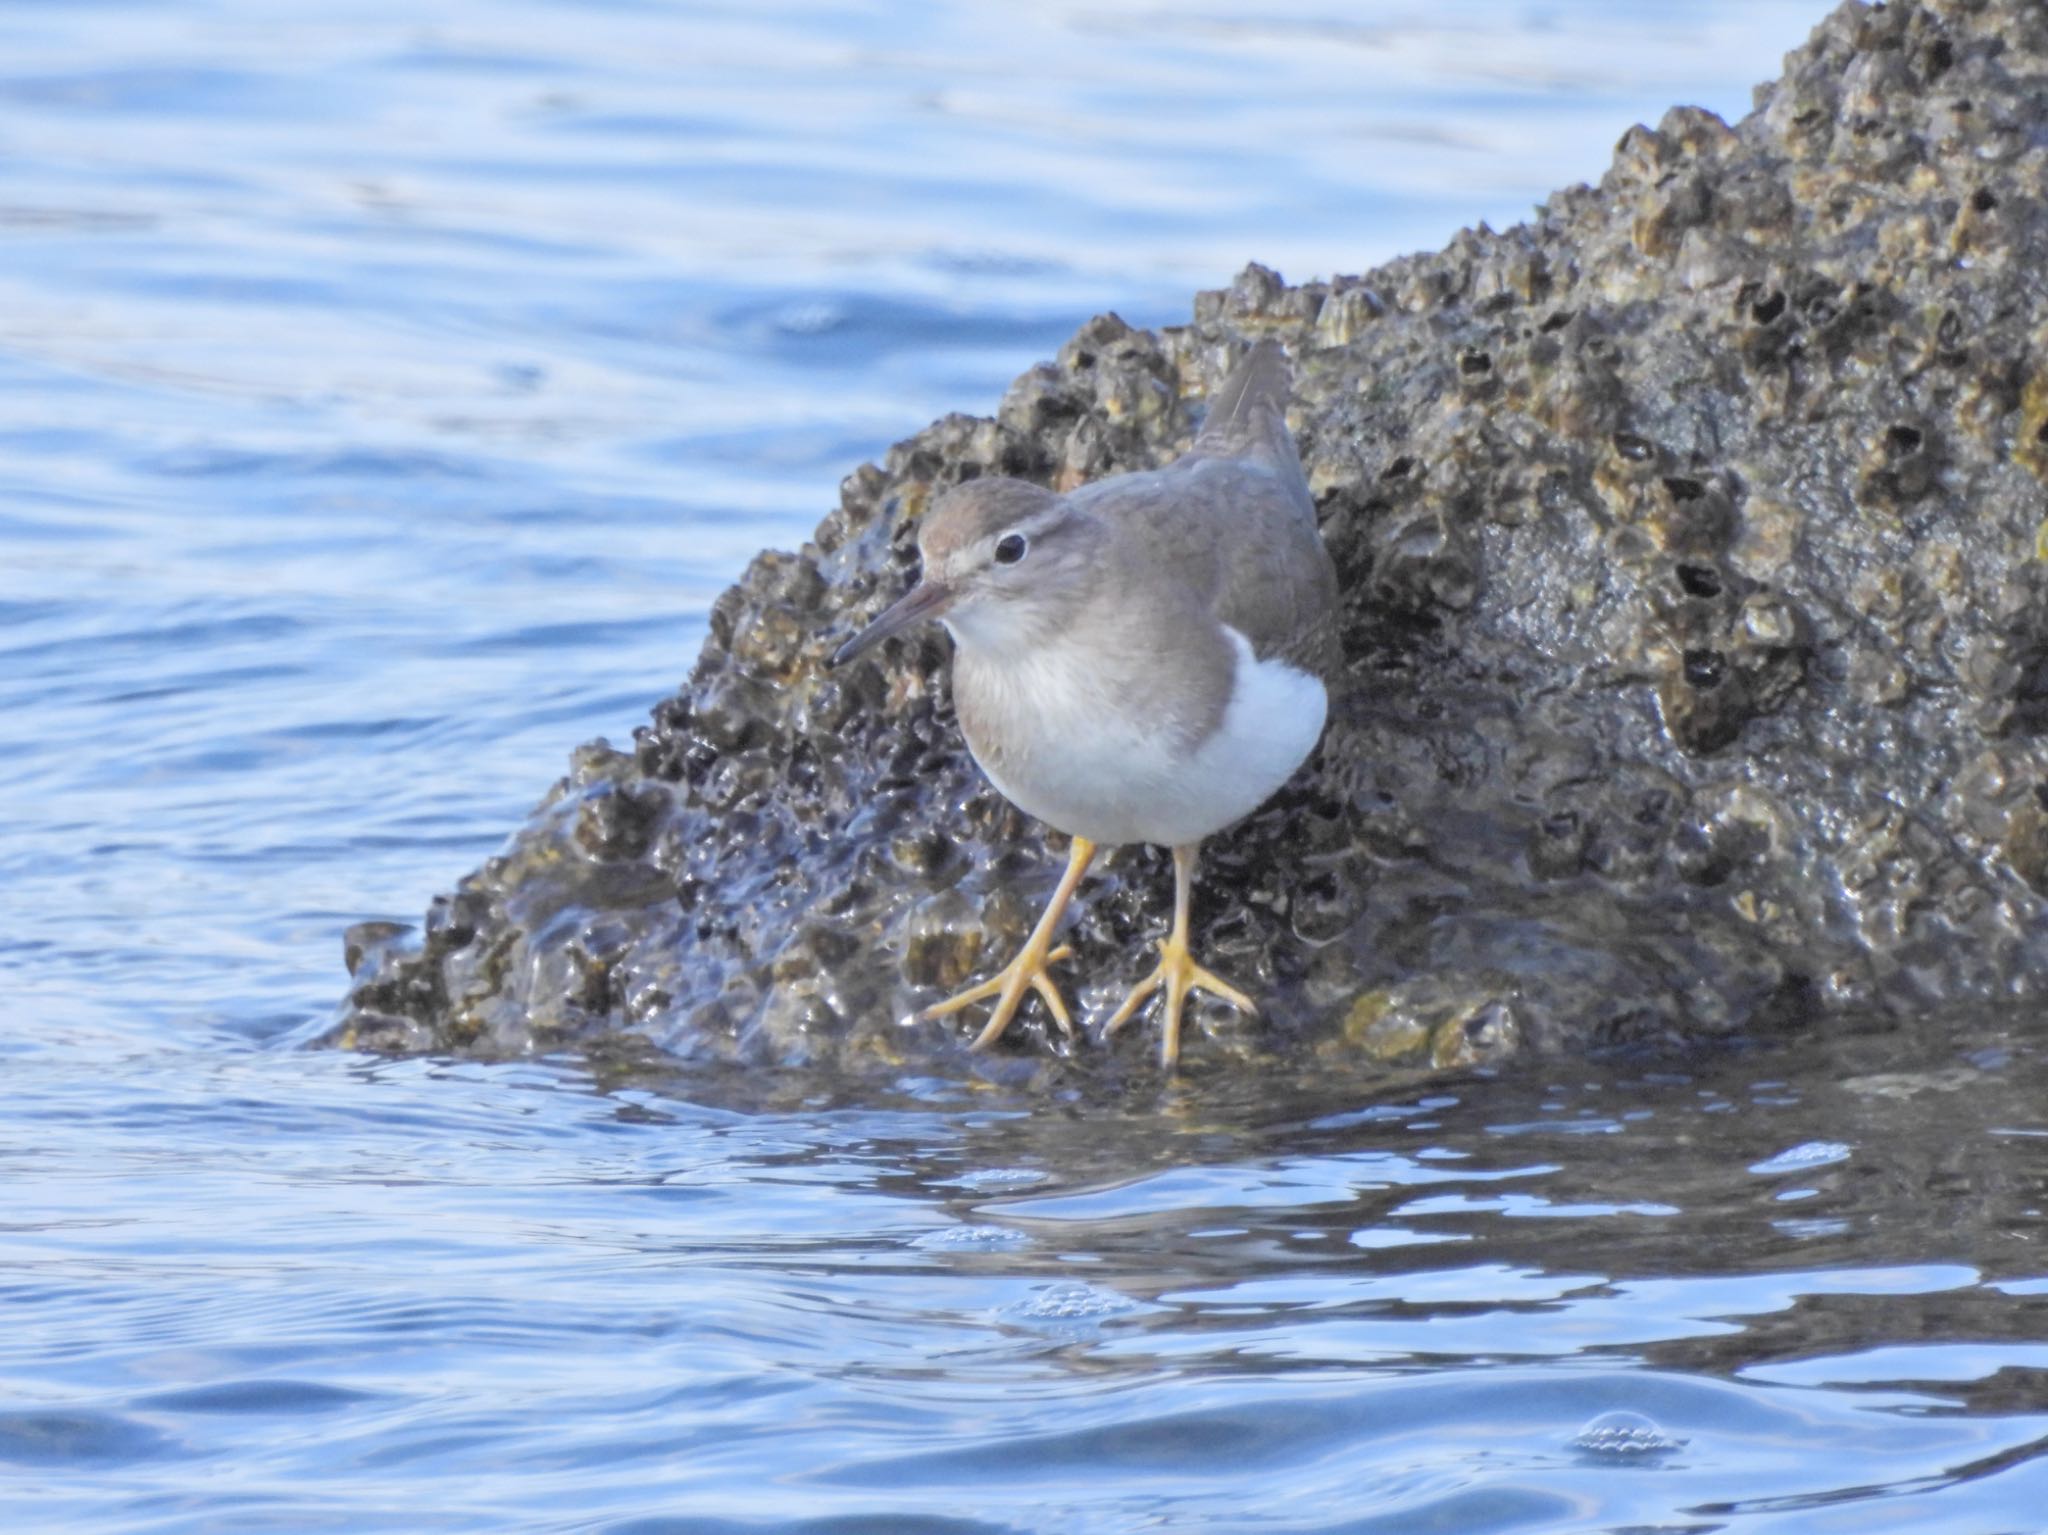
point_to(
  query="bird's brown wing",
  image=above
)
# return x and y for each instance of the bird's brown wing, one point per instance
(1276, 586)
(1233, 519)
(1239, 539)
(1247, 420)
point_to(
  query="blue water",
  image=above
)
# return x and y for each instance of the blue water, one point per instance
(385, 391)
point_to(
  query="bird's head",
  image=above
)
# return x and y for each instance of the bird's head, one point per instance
(1005, 562)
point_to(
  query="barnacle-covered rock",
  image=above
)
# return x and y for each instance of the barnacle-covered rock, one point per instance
(1692, 541)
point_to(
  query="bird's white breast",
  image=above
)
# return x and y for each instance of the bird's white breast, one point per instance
(1062, 745)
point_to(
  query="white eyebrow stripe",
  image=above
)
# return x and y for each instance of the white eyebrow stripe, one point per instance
(1038, 522)
(1030, 527)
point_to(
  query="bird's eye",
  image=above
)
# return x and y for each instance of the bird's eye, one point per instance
(1011, 548)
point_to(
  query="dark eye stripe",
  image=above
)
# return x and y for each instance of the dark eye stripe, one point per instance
(1011, 549)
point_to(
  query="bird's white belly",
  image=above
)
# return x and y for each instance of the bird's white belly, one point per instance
(1093, 772)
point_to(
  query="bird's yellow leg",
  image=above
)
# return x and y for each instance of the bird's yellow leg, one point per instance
(1028, 970)
(1177, 970)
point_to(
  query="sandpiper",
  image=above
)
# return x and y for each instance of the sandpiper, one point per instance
(1145, 659)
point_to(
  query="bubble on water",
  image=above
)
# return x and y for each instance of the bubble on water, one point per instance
(1802, 1158)
(996, 1180)
(1074, 1303)
(1624, 1435)
(972, 1239)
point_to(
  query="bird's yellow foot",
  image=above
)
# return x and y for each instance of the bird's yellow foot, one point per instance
(1178, 973)
(1027, 972)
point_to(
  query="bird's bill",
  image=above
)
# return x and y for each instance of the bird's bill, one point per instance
(927, 599)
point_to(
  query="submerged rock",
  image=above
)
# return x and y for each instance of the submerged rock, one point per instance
(1692, 540)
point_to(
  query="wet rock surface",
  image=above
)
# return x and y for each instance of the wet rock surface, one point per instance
(1692, 542)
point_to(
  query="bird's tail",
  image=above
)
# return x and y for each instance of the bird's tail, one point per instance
(1248, 410)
